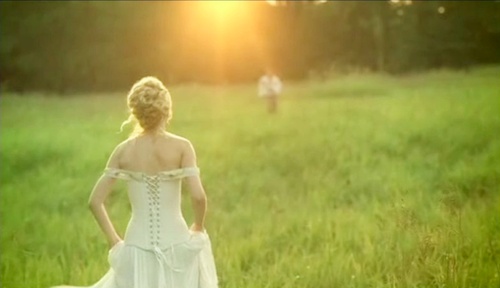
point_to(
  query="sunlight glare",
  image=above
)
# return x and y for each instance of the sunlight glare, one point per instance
(272, 2)
(221, 8)
(285, 2)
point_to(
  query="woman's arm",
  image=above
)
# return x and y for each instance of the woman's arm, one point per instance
(101, 191)
(198, 196)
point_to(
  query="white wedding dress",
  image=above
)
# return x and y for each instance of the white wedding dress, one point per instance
(158, 250)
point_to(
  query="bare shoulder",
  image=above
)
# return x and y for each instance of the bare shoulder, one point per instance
(182, 142)
(123, 145)
(115, 160)
(188, 155)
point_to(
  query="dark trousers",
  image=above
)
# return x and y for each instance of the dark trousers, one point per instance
(272, 103)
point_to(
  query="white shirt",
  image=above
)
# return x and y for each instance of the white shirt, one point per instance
(269, 85)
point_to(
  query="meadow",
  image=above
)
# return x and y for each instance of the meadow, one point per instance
(358, 181)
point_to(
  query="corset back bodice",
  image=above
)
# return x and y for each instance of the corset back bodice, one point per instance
(157, 220)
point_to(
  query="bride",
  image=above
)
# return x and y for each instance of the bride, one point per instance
(159, 250)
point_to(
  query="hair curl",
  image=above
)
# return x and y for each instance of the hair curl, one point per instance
(150, 103)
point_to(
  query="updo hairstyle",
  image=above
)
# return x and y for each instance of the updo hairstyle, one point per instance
(150, 104)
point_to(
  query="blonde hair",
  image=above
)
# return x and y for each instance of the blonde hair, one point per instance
(150, 104)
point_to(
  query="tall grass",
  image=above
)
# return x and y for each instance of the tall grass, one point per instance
(358, 181)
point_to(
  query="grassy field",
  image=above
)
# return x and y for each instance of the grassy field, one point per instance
(359, 181)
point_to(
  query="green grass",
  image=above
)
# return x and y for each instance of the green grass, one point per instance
(359, 181)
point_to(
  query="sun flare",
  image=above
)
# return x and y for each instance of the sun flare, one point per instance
(221, 8)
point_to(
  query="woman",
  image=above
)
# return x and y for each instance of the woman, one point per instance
(158, 250)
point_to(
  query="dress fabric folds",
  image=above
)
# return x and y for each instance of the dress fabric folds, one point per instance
(158, 250)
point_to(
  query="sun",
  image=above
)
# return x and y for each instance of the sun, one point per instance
(221, 8)
(286, 2)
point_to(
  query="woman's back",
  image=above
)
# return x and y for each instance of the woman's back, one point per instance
(152, 165)
(154, 153)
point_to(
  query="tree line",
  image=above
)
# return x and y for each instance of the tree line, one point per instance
(68, 46)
